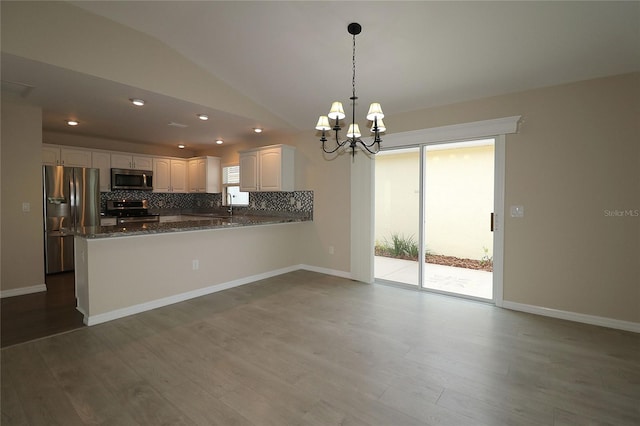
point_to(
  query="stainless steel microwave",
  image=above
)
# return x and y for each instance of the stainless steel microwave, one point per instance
(140, 180)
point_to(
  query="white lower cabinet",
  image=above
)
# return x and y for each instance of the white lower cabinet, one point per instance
(270, 168)
(204, 175)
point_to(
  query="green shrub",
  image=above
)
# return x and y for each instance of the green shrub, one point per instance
(399, 247)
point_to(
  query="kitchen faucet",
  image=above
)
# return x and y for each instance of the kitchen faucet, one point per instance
(230, 203)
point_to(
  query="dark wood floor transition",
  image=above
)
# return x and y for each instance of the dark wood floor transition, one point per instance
(38, 315)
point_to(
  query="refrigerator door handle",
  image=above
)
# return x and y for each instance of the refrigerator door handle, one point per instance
(73, 200)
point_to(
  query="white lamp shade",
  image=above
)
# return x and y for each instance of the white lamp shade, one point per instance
(375, 111)
(337, 112)
(323, 123)
(354, 131)
(381, 126)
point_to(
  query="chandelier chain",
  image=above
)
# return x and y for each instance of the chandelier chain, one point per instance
(353, 79)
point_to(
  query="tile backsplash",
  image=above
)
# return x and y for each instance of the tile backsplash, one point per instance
(284, 202)
(160, 200)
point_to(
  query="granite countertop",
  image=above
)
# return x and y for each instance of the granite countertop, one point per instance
(205, 223)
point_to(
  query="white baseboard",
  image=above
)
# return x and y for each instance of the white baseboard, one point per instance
(165, 301)
(326, 271)
(573, 316)
(23, 290)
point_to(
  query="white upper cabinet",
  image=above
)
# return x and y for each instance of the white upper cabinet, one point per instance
(249, 171)
(204, 175)
(169, 175)
(53, 155)
(128, 161)
(50, 155)
(270, 168)
(199, 174)
(102, 162)
(179, 178)
(75, 157)
(161, 175)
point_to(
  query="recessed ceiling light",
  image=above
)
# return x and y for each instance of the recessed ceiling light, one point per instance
(181, 146)
(72, 122)
(137, 102)
(219, 141)
(257, 129)
(203, 117)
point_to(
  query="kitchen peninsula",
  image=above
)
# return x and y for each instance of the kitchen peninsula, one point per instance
(122, 271)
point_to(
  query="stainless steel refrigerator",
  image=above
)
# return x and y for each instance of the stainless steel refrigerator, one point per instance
(71, 200)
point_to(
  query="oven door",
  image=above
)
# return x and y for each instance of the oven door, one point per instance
(137, 219)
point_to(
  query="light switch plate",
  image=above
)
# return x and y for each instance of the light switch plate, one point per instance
(517, 211)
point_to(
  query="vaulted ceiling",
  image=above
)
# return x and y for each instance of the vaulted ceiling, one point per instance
(294, 58)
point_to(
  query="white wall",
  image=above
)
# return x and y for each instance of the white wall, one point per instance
(117, 275)
(22, 254)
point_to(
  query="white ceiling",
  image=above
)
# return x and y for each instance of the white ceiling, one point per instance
(294, 58)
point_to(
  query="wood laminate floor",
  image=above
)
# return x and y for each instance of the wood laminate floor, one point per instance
(37, 315)
(309, 349)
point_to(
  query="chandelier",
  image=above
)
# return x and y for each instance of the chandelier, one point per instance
(375, 115)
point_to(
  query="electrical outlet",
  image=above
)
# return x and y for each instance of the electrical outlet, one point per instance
(292, 201)
(299, 205)
(331, 250)
(195, 264)
(26, 207)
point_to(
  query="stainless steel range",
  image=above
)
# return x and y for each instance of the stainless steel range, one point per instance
(130, 211)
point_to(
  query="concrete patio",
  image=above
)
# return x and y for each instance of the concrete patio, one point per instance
(468, 282)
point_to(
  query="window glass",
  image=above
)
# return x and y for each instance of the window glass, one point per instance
(231, 188)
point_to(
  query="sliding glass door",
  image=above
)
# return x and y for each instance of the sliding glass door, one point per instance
(458, 206)
(433, 217)
(397, 216)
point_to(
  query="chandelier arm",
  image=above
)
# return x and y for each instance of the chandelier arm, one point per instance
(366, 147)
(376, 140)
(337, 134)
(330, 151)
(338, 146)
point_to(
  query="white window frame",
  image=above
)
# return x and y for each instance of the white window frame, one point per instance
(226, 185)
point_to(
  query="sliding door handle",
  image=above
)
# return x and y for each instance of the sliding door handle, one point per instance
(492, 222)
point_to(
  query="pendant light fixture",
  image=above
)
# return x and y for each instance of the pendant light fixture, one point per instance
(336, 114)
